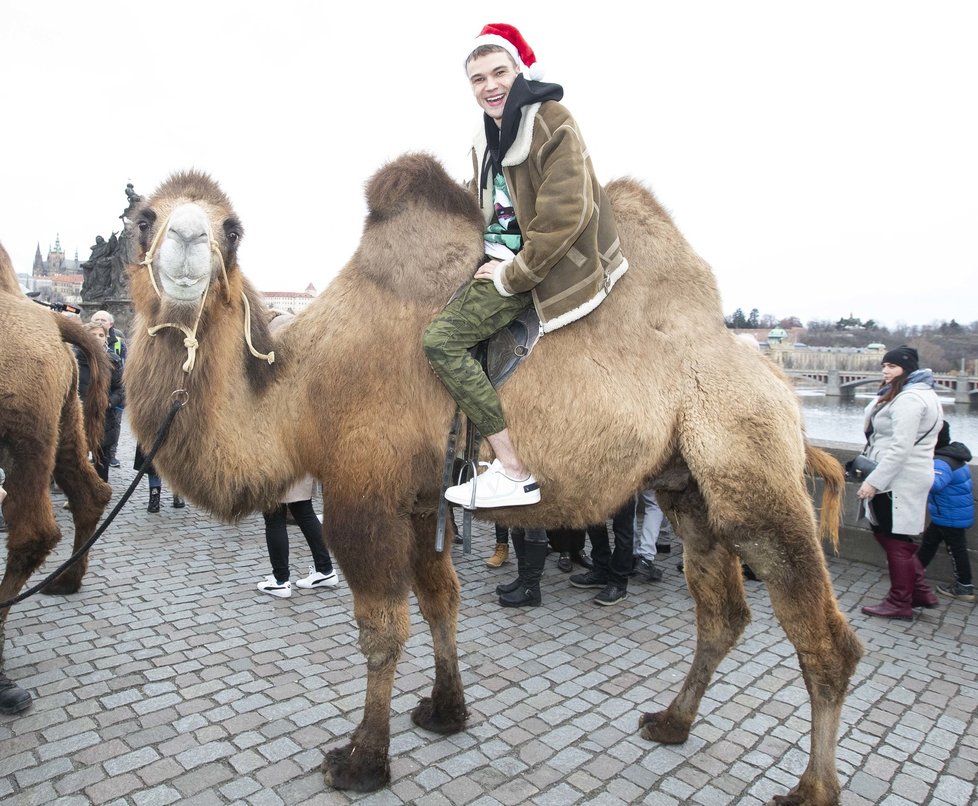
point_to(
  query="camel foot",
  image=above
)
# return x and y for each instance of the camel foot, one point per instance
(808, 794)
(662, 728)
(446, 720)
(13, 699)
(353, 767)
(61, 586)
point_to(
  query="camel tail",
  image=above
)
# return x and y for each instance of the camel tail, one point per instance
(822, 464)
(96, 401)
(8, 277)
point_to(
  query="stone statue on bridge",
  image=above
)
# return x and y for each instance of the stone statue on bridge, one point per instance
(106, 283)
(105, 275)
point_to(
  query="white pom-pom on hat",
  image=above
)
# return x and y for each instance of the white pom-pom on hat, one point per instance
(511, 40)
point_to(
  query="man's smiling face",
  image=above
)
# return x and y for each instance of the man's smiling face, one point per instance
(490, 77)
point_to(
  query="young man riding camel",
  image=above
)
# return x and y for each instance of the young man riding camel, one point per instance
(551, 242)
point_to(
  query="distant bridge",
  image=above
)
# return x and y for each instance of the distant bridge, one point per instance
(843, 382)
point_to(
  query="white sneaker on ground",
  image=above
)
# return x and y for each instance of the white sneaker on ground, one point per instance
(283, 590)
(318, 580)
(494, 489)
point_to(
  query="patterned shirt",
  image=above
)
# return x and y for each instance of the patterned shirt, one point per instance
(504, 229)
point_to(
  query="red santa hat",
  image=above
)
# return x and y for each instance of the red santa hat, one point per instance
(511, 40)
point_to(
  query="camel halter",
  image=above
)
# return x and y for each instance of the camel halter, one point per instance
(190, 335)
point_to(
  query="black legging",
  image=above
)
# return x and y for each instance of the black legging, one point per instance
(277, 538)
(957, 549)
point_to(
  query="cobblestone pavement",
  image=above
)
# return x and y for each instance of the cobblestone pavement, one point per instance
(169, 678)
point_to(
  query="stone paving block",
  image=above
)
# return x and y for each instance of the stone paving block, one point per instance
(113, 787)
(157, 796)
(79, 780)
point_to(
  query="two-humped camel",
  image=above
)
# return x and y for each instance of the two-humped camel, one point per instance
(43, 432)
(649, 384)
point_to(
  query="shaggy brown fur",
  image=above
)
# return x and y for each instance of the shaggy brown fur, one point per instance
(42, 432)
(649, 384)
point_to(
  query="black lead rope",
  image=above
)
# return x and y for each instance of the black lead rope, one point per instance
(180, 399)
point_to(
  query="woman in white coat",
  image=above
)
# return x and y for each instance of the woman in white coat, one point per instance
(901, 427)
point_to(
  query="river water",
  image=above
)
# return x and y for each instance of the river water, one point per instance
(838, 420)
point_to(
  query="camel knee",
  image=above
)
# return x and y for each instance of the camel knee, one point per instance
(382, 647)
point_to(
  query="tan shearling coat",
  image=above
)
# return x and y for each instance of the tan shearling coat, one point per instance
(572, 255)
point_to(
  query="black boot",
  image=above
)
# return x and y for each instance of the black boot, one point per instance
(519, 548)
(528, 593)
(154, 500)
(178, 502)
(13, 699)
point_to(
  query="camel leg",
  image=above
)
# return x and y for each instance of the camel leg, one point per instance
(828, 652)
(715, 581)
(376, 564)
(32, 532)
(437, 589)
(87, 495)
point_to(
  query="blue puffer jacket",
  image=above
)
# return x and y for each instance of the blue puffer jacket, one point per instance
(952, 501)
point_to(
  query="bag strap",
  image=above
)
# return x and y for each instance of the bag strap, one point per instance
(929, 429)
(918, 441)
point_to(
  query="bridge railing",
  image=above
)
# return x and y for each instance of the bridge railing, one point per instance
(843, 383)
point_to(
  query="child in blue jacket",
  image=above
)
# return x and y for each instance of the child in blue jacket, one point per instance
(951, 505)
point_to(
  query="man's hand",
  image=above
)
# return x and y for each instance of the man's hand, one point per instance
(484, 272)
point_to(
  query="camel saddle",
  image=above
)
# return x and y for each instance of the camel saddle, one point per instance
(499, 355)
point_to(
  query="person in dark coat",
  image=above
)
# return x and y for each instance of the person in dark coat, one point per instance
(117, 396)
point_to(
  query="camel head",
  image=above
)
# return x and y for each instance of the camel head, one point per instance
(186, 236)
(184, 274)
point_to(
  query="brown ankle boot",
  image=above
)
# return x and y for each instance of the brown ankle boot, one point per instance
(499, 556)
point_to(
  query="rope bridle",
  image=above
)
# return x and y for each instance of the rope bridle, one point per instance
(190, 335)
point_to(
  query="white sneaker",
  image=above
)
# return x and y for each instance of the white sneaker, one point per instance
(283, 590)
(318, 580)
(494, 489)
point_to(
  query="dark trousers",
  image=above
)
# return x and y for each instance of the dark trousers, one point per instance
(614, 566)
(502, 535)
(957, 549)
(113, 428)
(562, 540)
(277, 538)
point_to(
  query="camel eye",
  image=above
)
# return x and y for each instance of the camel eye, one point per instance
(233, 231)
(143, 226)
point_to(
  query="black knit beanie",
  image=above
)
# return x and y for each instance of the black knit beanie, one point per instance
(903, 356)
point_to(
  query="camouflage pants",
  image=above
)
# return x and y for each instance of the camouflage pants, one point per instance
(478, 312)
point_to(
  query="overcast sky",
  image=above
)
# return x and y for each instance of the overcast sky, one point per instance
(823, 157)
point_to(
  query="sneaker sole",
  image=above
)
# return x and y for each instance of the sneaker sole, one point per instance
(508, 501)
(322, 583)
(961, 597)
(586, 586)
(603, 603)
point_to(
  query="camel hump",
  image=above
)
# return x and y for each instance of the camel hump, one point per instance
(629, 195)
(418, 178)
